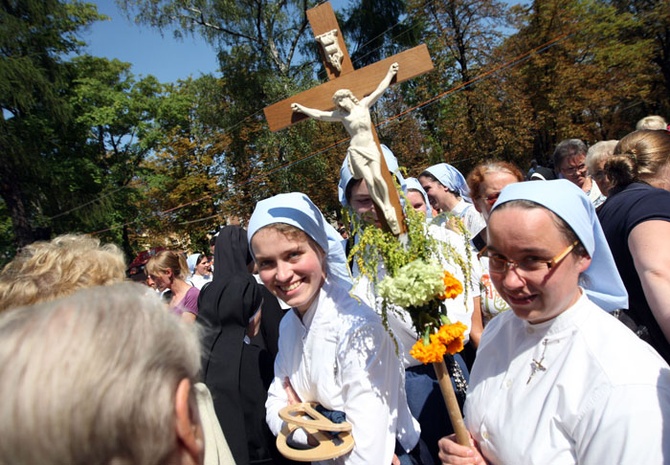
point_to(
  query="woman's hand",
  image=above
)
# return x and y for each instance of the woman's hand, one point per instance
(452, 453)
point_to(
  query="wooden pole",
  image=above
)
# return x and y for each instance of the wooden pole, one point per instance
(462, 435)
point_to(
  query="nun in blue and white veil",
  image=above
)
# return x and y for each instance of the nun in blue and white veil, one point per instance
(333, 349)
(601, 280)
(558, 379)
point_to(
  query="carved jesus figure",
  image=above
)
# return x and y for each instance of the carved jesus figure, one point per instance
(363, 154)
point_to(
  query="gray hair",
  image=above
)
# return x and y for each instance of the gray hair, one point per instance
(91, 378)
(567, 148)
(597, 152)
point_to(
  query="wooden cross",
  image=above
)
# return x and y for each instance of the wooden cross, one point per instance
(342, 75)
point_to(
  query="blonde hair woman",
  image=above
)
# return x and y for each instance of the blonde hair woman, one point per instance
(169, 270)
(636, 222)
(48, 270)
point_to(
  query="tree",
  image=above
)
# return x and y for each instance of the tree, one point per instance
(374, 30)
(115, 129)
(654, 26)
(266, 53)
(579, 86)
(273, 31)
(181, 177)
(35, 37)
(463, 36)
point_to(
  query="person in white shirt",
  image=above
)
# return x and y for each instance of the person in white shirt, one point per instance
(423, 390)
(558, 380)
(199, 266)
(333, 350)
(448, 193)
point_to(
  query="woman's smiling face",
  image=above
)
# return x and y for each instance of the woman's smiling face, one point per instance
(523, 234)
(292, 268)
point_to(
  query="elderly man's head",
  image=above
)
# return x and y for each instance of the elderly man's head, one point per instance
(102, 376)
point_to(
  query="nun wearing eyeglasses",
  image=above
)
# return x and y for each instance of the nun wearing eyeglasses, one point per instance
(558, 380)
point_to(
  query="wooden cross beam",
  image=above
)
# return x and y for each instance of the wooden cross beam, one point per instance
(361, 83)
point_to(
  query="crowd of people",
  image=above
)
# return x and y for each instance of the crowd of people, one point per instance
(566, 309)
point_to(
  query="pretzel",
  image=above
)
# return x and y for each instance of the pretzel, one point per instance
(304, 415)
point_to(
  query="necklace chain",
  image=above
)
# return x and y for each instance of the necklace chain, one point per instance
(536, 365)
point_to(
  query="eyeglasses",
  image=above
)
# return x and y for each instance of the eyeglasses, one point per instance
(570, 170)
(491, 198)
(500, 264)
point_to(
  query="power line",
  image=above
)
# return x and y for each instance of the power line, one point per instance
(509, 64)
(78, 207)
(235, 126)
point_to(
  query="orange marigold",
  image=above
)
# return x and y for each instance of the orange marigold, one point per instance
(455, 346)
(433, 352)
(452, 286)
(452, 336)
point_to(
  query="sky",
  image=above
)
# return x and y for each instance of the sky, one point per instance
(165, 57)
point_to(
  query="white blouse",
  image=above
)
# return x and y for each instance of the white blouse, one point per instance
(198, 281)
(341, 356)
(473, 220)
(578, 389)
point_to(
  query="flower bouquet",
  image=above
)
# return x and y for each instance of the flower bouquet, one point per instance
(409, 272)
(421, 287)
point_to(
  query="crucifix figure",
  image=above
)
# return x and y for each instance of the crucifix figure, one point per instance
(336, 100)
(364, 154)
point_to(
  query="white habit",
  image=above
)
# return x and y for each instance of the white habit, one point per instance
(341, 356)
(578, 389)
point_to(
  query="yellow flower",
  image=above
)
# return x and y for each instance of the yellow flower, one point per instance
(448, 339)
(451, 332)
(452, 286)
(433, 352)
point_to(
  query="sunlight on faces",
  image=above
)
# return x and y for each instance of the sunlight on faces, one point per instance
(438, 195)
(574, 169)
(416, 200)
(202, 268)
(162, 280)
(519, 234)
(362, 203)
(490, 189)
(600, 176)
(292, 268)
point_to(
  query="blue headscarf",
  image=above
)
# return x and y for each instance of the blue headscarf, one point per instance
(451, 178)
(603, 284)
(296, 209)
(192, 261)
(346, 175)
(413, 183)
